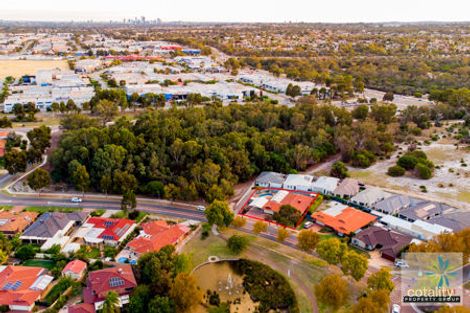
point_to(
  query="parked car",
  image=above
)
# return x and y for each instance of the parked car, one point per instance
(76, 200)
(395, 308)
(308, 224)
(401, 263)
(201, 208)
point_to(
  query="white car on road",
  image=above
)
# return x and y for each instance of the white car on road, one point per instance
(201, 208)
(76, 200)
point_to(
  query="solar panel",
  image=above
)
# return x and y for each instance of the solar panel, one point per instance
(116, 282)
(7, 286)
(16, 285)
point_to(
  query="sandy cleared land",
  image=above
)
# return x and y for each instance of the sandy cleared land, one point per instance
(451, 181)
(17, 68)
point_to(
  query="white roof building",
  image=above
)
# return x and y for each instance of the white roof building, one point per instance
(325, 184)
(370, 196)
(298, 182)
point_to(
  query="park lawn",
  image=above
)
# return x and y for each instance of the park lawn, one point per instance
(5, 207)
(199, 250)
(47, 264)
(44, 209)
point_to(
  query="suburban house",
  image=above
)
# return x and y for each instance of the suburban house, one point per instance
(389, 243)
(347, 188)
(270, 180)
(394, 204)
(457, 220)
(13, 222)
(110, 231)
(300, 201)
(22, 286)
(75, 269)
(325, 185)
(418, 229)
(82, 308)
(424, 210)
(298, 182)
(119, 279)
(343, 220)
(53, 228)
(153, 236)
(369, 197)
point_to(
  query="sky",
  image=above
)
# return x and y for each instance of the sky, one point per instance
(330, 11)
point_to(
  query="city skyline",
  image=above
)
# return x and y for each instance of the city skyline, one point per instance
(333, 11)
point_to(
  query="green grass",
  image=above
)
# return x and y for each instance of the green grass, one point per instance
(90, 252)
(47, 264)
(199, 250)
(6, 207)
(44, 209)
(58, 289)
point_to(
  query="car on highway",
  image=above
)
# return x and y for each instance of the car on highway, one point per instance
(395, 308)
(76, 200)
(201, 208)
(308, 224)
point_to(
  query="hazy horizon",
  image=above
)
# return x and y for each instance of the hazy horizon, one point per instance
(332, 11)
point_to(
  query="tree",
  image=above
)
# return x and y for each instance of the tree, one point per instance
(79, 176)
(381, 280)
(331, 250)
(408, 162)
(260, 227)
(111, 303)
(39, 179)
(307, 240)
(396, 171)
(237, 244)
(287, 215)
(424, 171)
(15, 161)
(332, 290)
(107, 110)
(185, 292)
(161, 304)
(377, 301)
(139, 299)
(25, 252)
(128, 201)
(282, 234)
(383, 113)
(339, 170)
(40, 138)
(219, 213)
(238, 222)
(388, 96)
(354, 264)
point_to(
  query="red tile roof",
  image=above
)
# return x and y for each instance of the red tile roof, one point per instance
(75, 266)
(82, 308)
(115, 228)
(157, 235)
(119, 279)
(299, 201)
(23, 277)
(348, 221)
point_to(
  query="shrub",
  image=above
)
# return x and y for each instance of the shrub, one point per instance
(237, 244)
(396, 171)
(424, 172)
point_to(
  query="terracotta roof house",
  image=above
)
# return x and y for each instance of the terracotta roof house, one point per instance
(21, 286)
(82, 308)
(300, 201)
(75, 269)
(390, 244)
(153, 236)
(110, 231)
(347, 188)
(344, 220)
(119, 279)
(13, 222)
(3, 144)
(52, 225)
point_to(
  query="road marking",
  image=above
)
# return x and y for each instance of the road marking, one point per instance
(61, 203)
